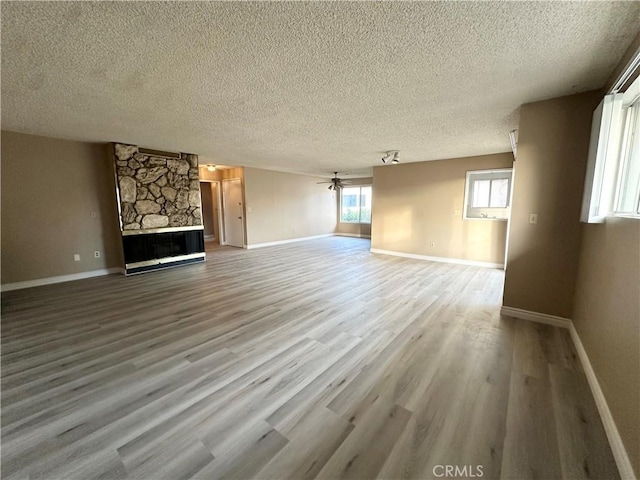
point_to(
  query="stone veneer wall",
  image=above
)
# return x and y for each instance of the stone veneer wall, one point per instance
(157, 191)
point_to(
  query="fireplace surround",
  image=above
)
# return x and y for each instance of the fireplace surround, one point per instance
(160, 208)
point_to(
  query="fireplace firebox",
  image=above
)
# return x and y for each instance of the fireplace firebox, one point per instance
(150, 251)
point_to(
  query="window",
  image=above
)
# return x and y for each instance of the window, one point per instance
(628, 188)
(612, 184)
(355, 204)
(487, 194)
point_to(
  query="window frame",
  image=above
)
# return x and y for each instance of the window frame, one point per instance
(476, 213)
(359, 187)
(631, 120)
(609, 155)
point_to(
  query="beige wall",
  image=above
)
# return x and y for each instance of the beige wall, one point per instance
(606, 312)
(360, 229)
(414, 204)
(286, 206)
(49, 189)
(607, 318)
(549, 179)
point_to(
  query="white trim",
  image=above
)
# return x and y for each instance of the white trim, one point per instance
(615, 441)
(509, 220)
(536, 317)
(625, 75)
(457, 261)
(126, 233)
(290, 240)
(357, 235)
(59, 279)
(162, 261)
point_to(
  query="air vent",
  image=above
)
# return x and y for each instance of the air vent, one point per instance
(158, 153)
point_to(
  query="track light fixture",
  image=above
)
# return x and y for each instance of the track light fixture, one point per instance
(391, 157)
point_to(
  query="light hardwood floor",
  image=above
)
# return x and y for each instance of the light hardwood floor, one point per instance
(308, 360)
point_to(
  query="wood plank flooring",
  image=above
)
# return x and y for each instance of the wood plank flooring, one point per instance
(308, 360)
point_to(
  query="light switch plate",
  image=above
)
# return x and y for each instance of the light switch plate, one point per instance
(533, 218)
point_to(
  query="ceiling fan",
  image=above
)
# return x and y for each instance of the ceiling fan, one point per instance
(336, 182)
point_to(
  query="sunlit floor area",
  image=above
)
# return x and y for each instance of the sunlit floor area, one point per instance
(314, 359)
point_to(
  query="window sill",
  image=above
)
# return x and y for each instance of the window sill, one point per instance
(626, 215)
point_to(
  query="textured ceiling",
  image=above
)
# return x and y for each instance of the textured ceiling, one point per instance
(302, 87)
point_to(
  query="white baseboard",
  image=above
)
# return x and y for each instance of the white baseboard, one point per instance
(289, 240)
(615, 441)
(59, 279)
(457, 261)
(536, 317)
(357, 235)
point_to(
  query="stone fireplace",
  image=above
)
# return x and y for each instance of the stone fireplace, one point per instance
(160, 210)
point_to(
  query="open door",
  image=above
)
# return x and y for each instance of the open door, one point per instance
(232, 200)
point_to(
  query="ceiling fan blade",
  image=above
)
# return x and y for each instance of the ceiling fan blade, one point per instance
(336, 182)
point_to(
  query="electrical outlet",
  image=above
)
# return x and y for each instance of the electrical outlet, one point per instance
(456, 213)
(76, 257)
(533, 218)
(96, 254)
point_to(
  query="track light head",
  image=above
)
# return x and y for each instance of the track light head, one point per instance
(391, 157)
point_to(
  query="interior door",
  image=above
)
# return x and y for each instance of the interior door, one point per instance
(233, 212)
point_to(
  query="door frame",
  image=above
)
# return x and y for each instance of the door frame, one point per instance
(244, 215)
(221, 237)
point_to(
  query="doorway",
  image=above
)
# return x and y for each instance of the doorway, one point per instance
(233, 212)
(208, 206)
(211, 208)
